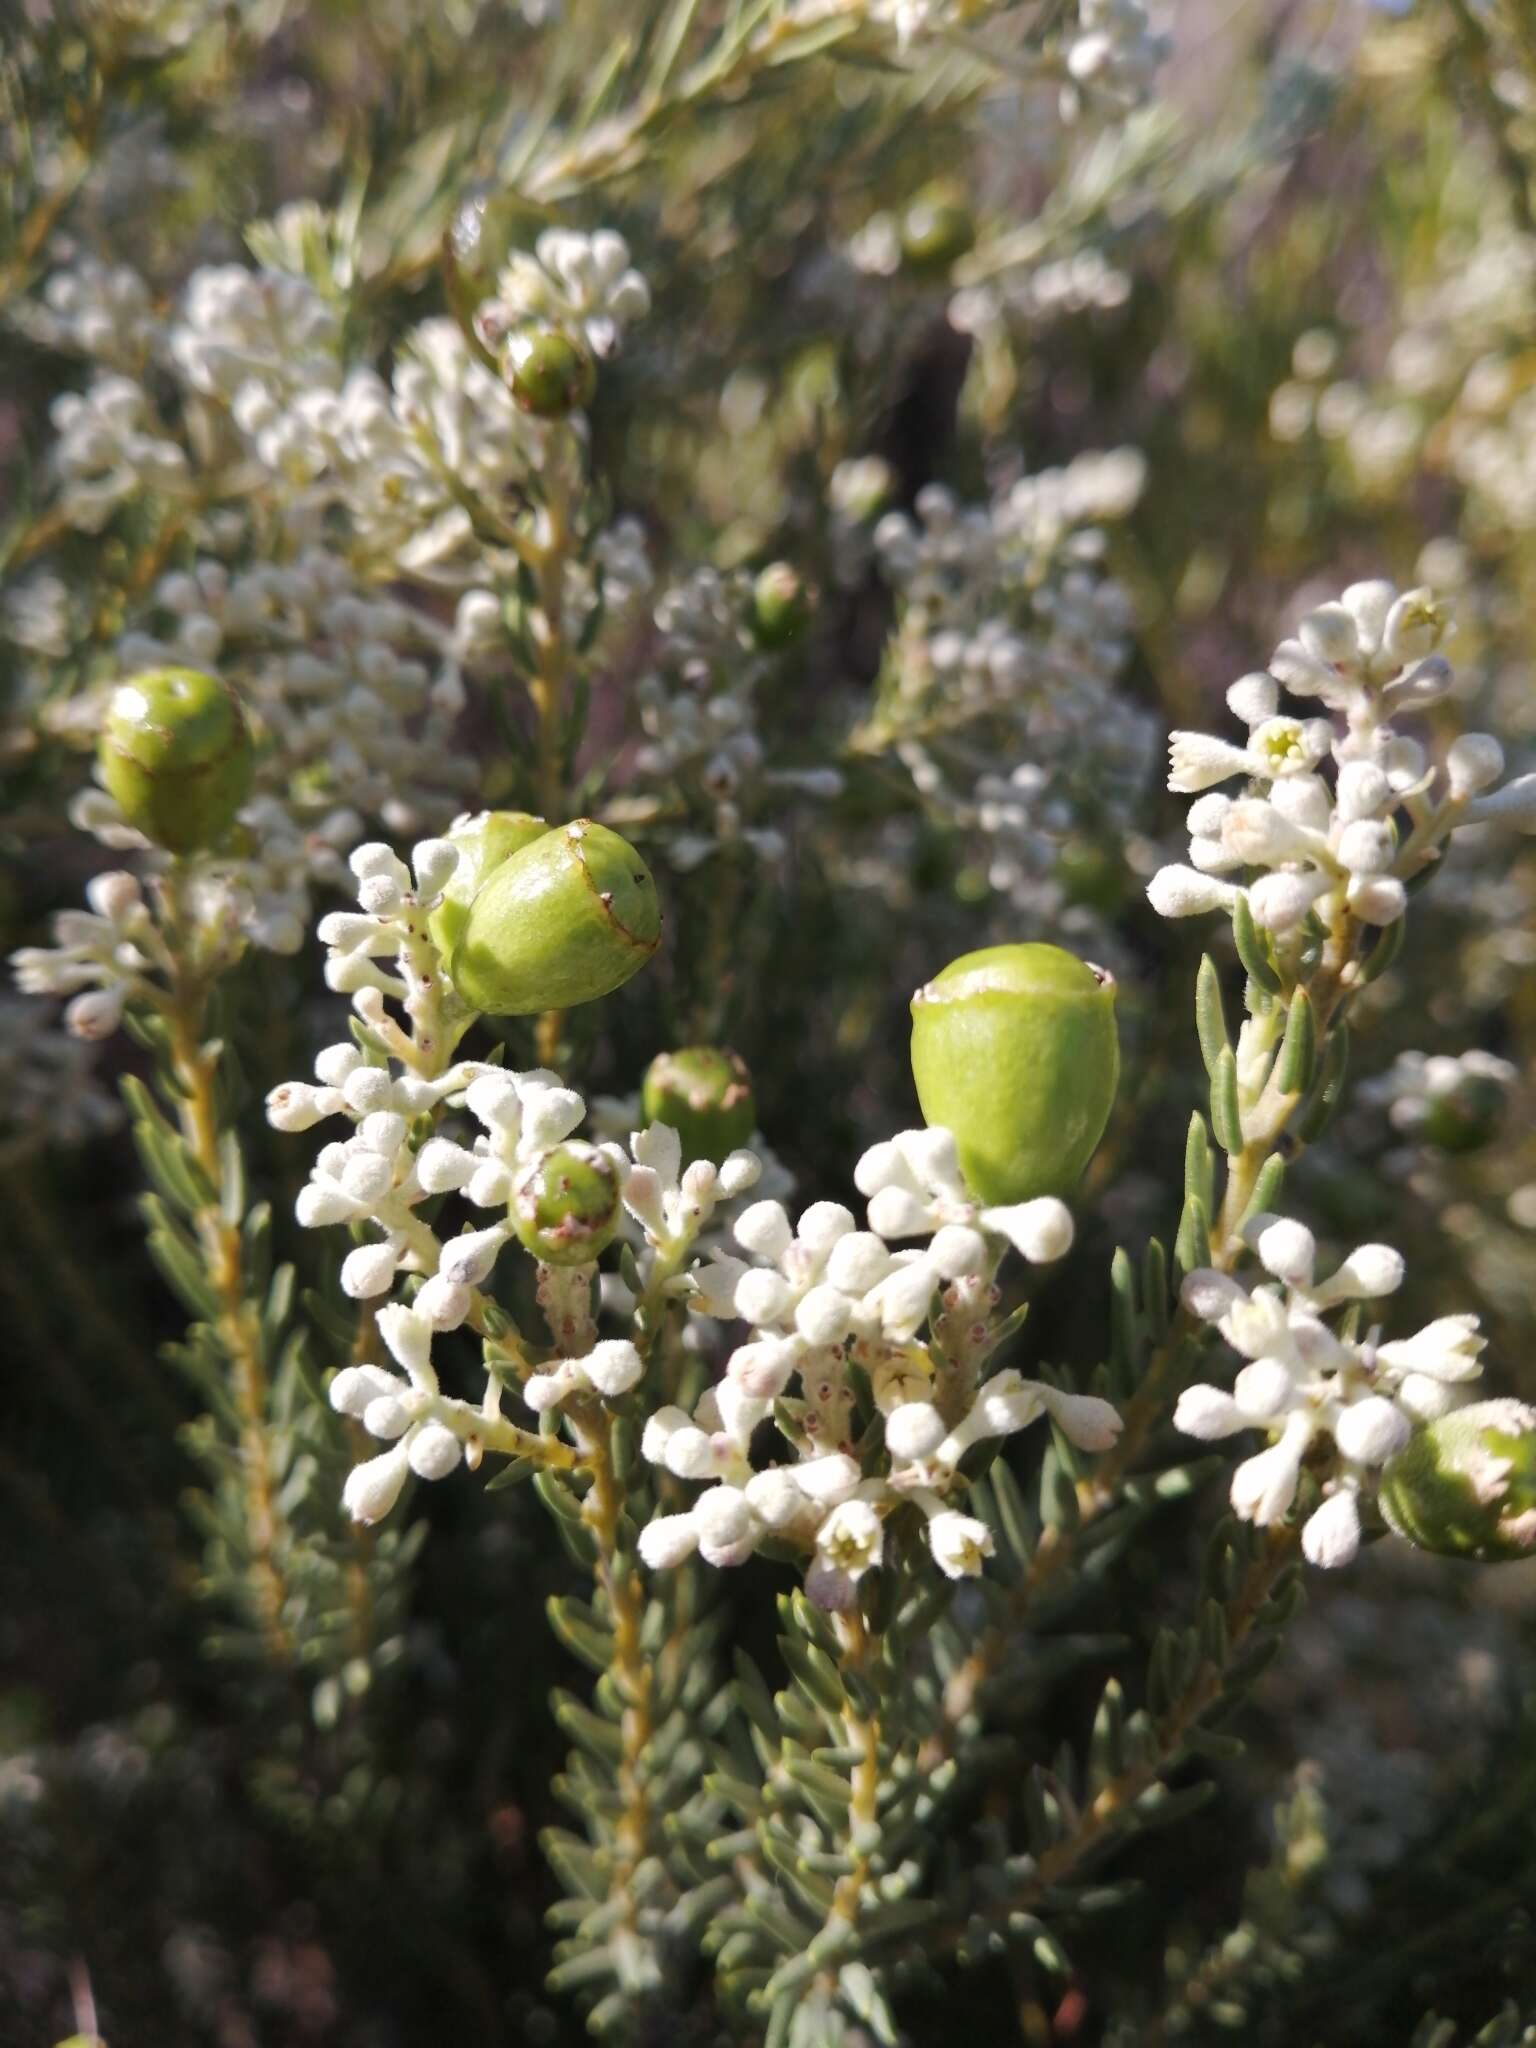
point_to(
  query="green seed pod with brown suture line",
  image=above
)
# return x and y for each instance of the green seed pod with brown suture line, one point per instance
(175, 752)
(565, 1208)
(551, 373)
(567, 919)
(1015, 1050)
(1465, 1484)
(484, 841)
(705, 1093)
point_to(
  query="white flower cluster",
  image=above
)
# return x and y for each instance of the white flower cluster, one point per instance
(354, 705)
(429, 1433)
(49, 1092)
(1112, 58)
(400, 458)
(111, 447)
(1452, 394)
(116, 951)
(393, 1163)
(1003, 602)
(702, 745)
(585, 283)
(823, 1296)
(1107, 49)
(1305, 1382)
(1011, 642)
(254, 338)
(1033, 294)
(405, 461)
(1336, 846)
(96, 309)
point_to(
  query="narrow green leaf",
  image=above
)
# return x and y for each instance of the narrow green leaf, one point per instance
(1252, 947)
(1192, 1246)
(1265, 1198)
(1384, 952)
(1226, 1114)
(1333, 1070)
(1297, 1063)
(1210, 1018)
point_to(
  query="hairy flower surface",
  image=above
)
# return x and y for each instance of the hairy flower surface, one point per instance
(1307, 1380)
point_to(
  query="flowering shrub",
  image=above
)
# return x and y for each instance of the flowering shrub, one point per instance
(562, 570)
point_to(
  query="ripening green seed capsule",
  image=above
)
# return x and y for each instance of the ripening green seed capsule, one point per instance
(565, 1208)
(705, 1093)
(568, 918)
(781, 606)
(1014, 1049)
(484, 842)
(1465, 1484)
(175, 752)
(937, 228)
(551, 373)
(1468, 1117)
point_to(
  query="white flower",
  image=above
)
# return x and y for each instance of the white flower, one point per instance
(960, 1544)
(373, 1488)
(668, 1540)
(851, 1539)
(1331, 1534)
(1264, 1486)
(1185, 892)
(914, 1430)
(1443, 1350)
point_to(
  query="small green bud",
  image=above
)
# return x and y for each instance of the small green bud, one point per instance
(1092, 875)
(705, 1094)
(1465, 1484)
(565, 1208)
(1466, 1117)
(1014, 1049)
(484, 842)
(551, 373)
(568, 918)
(781, 606)
(175, 752)
(937, 228)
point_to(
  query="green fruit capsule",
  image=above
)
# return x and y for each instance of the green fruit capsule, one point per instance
(551, 373)
(568, 918)
(705, 1094)
(937, 228)
(1014, 1049)
(781, 606)
(565, 1208)
(175, 752)
(1465, 1484)
(1467, 1117)
(484, 841)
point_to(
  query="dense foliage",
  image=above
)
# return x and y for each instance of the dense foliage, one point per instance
(722, 1327)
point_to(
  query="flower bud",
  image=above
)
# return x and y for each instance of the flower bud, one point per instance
(175, 752)
(568, 918)
(550, 372)
(705, 1094)
(781, 606)
(483, 841)
(565, 1207)
(936, 229)
(1014, 1050)
(1465, 1485)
